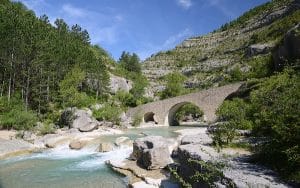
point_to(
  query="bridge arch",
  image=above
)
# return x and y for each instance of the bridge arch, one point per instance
(170, 119)
(150, 117)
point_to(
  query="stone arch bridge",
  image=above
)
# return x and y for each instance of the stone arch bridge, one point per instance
(163, 111)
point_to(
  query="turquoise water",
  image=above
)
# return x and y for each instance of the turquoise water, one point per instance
(62, 167)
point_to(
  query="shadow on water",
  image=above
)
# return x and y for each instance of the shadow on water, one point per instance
(1, 186)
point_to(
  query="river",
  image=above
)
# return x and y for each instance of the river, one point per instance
(62, 167)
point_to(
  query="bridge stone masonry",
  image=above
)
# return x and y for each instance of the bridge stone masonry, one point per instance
(163, 112)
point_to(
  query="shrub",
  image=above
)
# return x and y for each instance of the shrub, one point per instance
(47, 128)
(14, 115)
(109, 112)
(137, 120)
(261, 66)
(174, 85)
(125, 98)
(277, 119)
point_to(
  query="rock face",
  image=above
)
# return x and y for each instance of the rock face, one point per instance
(290, 49)
(118, 83)
(14, 147)
(257, 49)
(153, 152)
(79, 119)
(105, 147)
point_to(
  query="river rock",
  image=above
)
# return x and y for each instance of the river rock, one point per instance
(76, 144)
(105, 147)
(153, 152)
(29, 136)
(89, 127)
(52, 140)
(196, 139)
(123, 141)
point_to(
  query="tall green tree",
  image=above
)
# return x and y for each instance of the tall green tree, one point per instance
(174, 86)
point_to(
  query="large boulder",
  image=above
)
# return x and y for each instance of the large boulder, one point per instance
(80, 119)
(153, 152)
(118, 83)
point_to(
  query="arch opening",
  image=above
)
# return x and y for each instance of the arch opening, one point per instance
(185, 113)
(149, 117)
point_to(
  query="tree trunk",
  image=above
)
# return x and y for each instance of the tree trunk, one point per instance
(27, 90)
(10, 78)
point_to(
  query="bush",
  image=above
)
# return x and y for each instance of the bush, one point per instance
(137, 120)
(14, 115)
(126, 99)
(47, 128)
(261, 66)
(174, 85)
(277, 119)
(203, 174)
(109, 112)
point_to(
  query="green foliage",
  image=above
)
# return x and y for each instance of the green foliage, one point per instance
(236, 74)
(271, 112)
(48, 127)
(277, 119)
(130, 62)
(235, 113)
(69, 89)
(261, 66)
(202, 173)
(40, 56)
(109, 112)
(188, 109)
(14, 115)
(174, 85)
(126, 99)
(137, 120)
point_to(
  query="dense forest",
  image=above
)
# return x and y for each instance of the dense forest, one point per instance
(46, 67)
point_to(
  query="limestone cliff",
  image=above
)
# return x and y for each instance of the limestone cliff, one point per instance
(210, 60)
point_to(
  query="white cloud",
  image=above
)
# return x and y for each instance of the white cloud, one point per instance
(74, 11)
(174, 39)
(108, 35)
(186, 4)
(218, 4)
(171, 42)
(34, 4)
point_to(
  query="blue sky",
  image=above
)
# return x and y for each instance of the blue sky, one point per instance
(142, 26)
